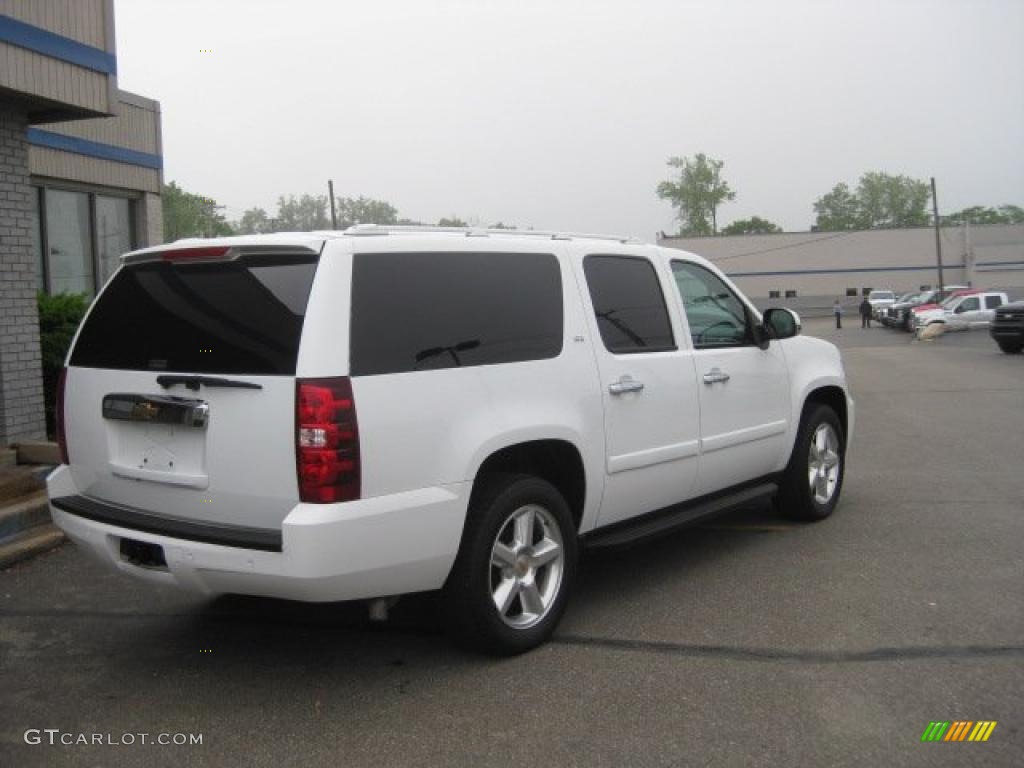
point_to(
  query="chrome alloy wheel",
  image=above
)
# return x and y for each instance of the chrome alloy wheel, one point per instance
(823, 463)
(526, 566)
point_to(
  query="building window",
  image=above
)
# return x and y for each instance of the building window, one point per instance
(113, 233)
(866, 291)
(790, 293)
(78, 239)
(69, 242)
(851, 291)
(37, 242)
(773, 294)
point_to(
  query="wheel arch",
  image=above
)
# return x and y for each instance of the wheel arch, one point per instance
(556, 460)
(834, 397)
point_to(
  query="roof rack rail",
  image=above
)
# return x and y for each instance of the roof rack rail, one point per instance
(364, 230)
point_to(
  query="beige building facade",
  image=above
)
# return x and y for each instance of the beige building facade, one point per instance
(80, 177)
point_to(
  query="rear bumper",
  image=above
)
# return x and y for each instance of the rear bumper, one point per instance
(388, 545)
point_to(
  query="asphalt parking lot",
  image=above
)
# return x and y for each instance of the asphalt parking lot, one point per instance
(746, 641)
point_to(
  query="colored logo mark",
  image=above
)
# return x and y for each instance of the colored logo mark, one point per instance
(959, 730)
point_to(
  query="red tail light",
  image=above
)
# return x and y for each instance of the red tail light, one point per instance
(202, 253)
(326, 440)
(62, 440)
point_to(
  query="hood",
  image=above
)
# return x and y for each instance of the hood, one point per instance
(927, 307)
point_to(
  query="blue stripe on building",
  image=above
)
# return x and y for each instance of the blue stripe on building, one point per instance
(78, 146)
(56, 46)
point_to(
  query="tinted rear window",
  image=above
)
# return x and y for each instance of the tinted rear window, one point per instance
(242, 317)
(629, 304)
(421, 311)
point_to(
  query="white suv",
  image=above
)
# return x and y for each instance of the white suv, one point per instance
(336, 416)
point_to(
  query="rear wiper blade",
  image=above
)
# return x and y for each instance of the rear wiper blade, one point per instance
(193, 382)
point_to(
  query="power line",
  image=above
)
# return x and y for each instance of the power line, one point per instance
(785, 247)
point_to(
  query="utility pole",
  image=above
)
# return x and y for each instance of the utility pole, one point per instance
(330, 193)
(938, 239)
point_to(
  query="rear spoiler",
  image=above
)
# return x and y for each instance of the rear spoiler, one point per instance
(204, 253)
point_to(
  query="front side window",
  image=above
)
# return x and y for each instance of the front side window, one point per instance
(629, 304)
(968, 305)
(717, 317)
(423, 311)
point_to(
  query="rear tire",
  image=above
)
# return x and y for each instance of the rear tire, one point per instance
(1011, 347)
(516, 566)
(813, 479)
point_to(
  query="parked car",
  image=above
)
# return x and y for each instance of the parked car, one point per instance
(879, 300)
(887, 314)
(900, 314)
(962, 311)
(359, 415)
(1008, 327)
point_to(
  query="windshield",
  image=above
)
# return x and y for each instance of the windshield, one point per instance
(952, 300)
(880, 295)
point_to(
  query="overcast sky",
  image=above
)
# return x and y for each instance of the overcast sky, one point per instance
(561, 115)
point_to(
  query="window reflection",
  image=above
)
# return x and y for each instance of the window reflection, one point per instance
(68, 242)
(113, 233)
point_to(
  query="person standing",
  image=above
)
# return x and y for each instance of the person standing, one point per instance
(865, 313)
(838, 312)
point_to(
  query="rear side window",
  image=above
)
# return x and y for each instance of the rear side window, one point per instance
(241, 317)
(629, 304)
(991, 302)
(423, 311)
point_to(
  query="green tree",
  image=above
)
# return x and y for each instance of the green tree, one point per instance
(454, 221)
(978, 214)
(892, 201)
(838, 210)
(755, 225)
(190, 215)
(364, 210)
(253, 222)
(302, 214)
(696, 193)
(881, 201)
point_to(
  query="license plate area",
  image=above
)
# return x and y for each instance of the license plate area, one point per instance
(157, 438)
(143, 554)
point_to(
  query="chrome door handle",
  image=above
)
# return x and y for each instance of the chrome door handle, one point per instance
(715, 375)
(625, 384)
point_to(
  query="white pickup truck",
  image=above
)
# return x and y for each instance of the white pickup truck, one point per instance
(962, 311)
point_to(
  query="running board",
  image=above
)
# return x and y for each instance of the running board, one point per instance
(669, 519)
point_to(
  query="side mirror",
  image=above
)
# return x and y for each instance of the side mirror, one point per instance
(781, 323)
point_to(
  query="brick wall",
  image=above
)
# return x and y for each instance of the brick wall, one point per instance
(21, 378)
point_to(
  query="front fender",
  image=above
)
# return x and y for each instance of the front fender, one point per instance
(814, 364)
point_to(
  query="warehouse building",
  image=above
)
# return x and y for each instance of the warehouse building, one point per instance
(80, 176)
(809, 270)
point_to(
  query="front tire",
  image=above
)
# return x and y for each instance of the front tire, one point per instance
(813, 479)
(1010, 347)
(516, 566)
